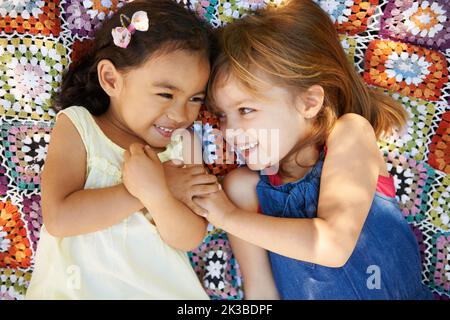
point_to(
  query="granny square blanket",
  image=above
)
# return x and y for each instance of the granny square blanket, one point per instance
(401, 47)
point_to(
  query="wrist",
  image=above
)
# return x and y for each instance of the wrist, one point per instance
(228, 219)
(150, 194)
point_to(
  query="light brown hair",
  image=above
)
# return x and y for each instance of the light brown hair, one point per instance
(297, 46)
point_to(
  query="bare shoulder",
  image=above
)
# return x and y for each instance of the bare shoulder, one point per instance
(353, 121)
(66, 153)
(240, 186)
(66, 136)
(352, 127)
(353, 139)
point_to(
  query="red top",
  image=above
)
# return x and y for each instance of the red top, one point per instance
(385, 185)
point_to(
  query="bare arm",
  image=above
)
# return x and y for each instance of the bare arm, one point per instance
(67, 209)
(240, 186)
(348, 185)
(177, 224)
(144, 177)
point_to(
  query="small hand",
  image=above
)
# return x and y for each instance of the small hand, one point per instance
(186, 182)
(143, 173)
(217, 205)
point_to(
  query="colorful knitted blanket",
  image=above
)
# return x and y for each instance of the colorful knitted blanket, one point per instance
(401, 47)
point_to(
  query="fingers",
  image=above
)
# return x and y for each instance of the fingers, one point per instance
(136, 148)
(203, 179)
(126, 155)
(201, 190)
(198, 210)
(197, 207)
(196, 169)
(150, 153)
(193, 165)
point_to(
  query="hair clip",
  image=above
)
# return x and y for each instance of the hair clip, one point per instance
(122, 35)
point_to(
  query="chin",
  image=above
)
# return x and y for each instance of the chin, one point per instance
(257, 166)
(157, 143)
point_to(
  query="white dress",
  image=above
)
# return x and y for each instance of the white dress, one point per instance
(126, 261)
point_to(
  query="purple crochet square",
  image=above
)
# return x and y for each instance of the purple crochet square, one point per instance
(425, 23)
(33, 217)
(440, 270)
(82, 17)
(3, 181)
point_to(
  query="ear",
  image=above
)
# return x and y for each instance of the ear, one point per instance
(311, 101)
(110, 79)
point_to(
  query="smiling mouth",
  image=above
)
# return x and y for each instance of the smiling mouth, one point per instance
(246, 147)
(165, 129)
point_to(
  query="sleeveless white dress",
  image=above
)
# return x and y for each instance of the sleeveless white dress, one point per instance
(126, 261)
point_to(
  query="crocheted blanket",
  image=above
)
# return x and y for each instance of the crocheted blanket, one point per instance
(399, 46)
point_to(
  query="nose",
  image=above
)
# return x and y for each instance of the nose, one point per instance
(178, 113)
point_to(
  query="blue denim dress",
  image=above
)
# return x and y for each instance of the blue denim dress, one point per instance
(385, 263)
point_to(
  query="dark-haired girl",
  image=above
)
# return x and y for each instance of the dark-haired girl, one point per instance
(113, 226)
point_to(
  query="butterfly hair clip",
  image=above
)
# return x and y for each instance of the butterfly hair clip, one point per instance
(122, 35)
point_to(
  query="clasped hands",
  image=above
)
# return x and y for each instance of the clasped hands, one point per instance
(145, 177)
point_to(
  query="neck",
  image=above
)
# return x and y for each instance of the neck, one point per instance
(114, 120)
(298, 164)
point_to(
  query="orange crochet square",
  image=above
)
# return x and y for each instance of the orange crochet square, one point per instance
(38, 17)
(357, 21)
(408, 69)
(223, 159)
(16, 251)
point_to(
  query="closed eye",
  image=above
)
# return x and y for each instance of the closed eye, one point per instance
(166, 95)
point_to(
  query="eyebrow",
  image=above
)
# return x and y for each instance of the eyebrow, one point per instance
(166, 85)
(240, 102)
(216, 109)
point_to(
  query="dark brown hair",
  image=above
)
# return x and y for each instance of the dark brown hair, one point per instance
(297, 46)
(172, 27)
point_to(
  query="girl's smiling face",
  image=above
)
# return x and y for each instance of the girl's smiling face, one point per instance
(162, 95)
(263, 129)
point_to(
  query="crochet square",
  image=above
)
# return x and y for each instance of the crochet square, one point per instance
(30, 73)
(15, 251)
(229, 10)
(349, 45)
(25, 150)
(439, 203)
(215, 265)
(424, 23)
(412, 183)
(206, 9)
(30, 17)
(31, 211)
(408, 69)
(13, 284)
(413, 140)
(3, 181)
(440, 262)
(420, 241)
(82, 17)
(349, 16)
(439, 157)
(217, 154)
